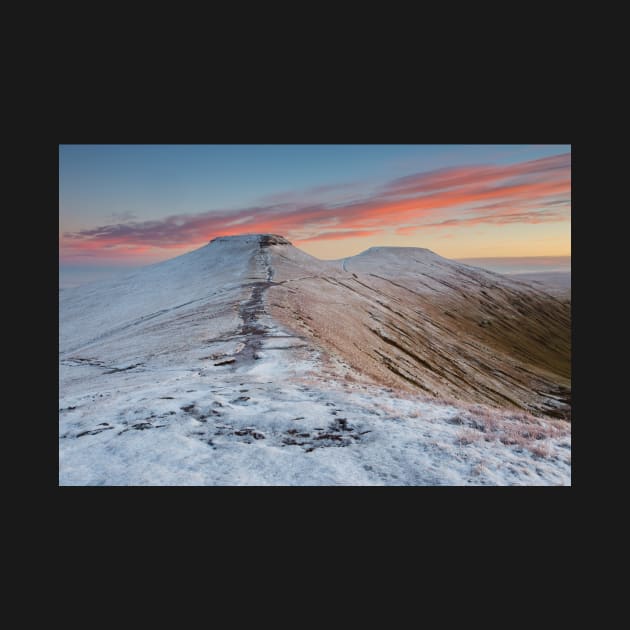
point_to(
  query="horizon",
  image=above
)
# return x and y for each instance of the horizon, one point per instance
(128, 206)
(74, 276)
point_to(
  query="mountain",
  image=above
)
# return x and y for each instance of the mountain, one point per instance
(410, 318)
(249, 361)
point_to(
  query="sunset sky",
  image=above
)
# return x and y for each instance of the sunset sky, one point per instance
(129, 205)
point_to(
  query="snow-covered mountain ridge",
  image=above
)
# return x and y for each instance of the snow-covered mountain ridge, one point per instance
(248, 361)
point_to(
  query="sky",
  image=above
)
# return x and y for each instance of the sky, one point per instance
(124, 206)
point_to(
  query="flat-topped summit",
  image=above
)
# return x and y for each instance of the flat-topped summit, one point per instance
(400, 253)
(397, 249)
(264, 239)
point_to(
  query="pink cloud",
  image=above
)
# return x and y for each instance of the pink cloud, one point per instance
(526, 192)
(334, 236)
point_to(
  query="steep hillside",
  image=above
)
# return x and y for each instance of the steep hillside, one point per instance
(412, 319)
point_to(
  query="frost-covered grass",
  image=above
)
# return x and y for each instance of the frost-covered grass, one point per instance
(182, 428)
(517, 429)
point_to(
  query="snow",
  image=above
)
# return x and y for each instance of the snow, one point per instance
(143, 403)
(183, 429)
(150, 435)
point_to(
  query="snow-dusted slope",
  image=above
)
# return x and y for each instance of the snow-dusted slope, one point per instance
(130, 306)
(222, 367)
(412, 319)
(556, 283)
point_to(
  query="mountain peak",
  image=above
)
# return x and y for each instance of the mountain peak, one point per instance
(264, 239)
(397, 250)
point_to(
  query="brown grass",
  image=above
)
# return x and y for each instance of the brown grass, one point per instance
(517, 429)
(384, 328)
(541, 450)
(467, 436)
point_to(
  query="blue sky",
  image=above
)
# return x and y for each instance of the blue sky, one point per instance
(153, 181)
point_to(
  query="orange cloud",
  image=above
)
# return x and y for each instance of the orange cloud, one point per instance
(549, 167)
(334, 236)
(528, 192)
